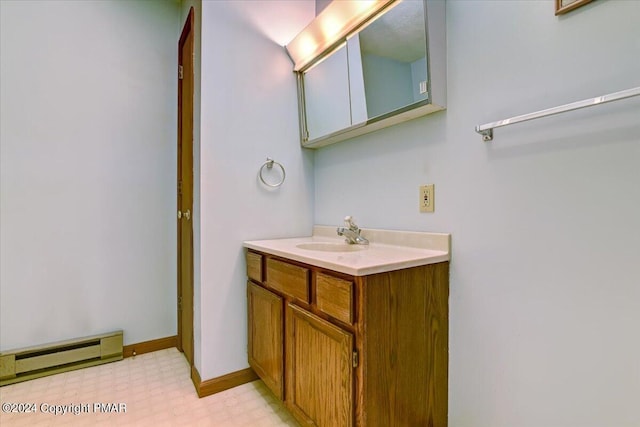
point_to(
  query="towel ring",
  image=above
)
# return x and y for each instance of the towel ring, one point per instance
(269, 164)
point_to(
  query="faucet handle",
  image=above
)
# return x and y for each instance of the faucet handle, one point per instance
(348, 221)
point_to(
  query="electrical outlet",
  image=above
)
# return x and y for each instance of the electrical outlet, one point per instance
(427, 198)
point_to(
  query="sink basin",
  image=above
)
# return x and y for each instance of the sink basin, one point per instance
(330, 247)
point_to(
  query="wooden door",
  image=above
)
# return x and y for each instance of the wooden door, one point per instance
(185, 189)
(319, 360)
(265, 336)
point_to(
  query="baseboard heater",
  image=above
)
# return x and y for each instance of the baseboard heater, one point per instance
(34, 362)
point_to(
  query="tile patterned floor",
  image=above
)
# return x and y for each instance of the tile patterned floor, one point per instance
(156, 389)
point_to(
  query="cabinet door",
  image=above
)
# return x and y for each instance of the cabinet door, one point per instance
(319, 359)
(265, 336)
(326, 95)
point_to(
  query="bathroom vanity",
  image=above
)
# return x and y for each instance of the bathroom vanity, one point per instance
(350, 335)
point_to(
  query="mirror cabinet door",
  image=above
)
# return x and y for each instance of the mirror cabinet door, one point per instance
(326, 95)
(334, 92)
(394, 59)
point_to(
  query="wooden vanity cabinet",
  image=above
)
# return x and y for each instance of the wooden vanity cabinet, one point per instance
(266, 337)
(345, 351)
(319, 370)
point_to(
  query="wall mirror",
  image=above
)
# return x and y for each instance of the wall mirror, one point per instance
(392, 68)
(394, 59)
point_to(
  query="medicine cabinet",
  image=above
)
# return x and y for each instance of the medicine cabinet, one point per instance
(389, 68)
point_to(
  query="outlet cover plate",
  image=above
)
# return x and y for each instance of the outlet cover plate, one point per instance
(427, 198)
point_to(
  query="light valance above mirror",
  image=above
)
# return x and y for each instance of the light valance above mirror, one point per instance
(331, 26)
(365, 65)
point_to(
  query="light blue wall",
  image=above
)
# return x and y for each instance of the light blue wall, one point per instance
(545, 220)
(248, 112)
(87, 164)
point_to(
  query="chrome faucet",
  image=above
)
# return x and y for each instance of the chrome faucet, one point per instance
(351, 232)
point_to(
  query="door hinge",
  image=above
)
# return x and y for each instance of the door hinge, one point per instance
(179, 303)
(355, 359)
(180, 72)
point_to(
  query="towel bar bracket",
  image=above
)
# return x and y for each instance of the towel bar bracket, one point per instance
(487, 135)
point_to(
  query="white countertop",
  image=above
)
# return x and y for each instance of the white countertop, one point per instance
(388, 250)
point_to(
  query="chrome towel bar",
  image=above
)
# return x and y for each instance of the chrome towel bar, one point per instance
(486, 130)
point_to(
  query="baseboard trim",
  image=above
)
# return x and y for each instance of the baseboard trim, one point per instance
(225, 382)
(149, 346)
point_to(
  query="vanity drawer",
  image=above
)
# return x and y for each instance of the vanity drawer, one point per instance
(254, 266)
(288, 278)
(334, 297)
